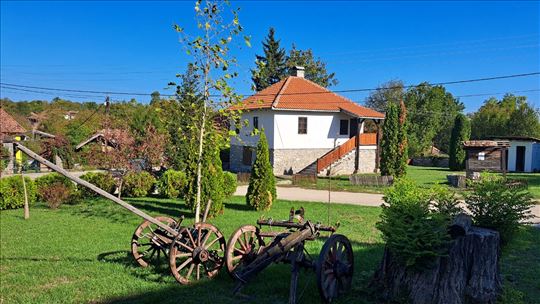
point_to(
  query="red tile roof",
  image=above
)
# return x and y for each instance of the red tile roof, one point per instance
(8, 124)
(297, 93)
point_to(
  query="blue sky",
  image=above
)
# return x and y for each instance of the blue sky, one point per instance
(130, 46)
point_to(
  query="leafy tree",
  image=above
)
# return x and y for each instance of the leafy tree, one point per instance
(210, 62)
(315, 68)
(510, 116)
(262, 186)
(155, 98)
(270, 67)
(390, 91)
(390, 140)
(429, 108)
(460, 132)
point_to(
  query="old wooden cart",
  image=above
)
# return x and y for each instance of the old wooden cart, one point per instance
(248, 253)
(194, 252)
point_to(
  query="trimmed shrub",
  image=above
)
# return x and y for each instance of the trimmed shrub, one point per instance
(12, 193)
(460, 132)
(55, 190)
(262, 184)
(493, 204)
(101, 180)
(172, 184)
(137, 184)
(414, 231)
(230, 183)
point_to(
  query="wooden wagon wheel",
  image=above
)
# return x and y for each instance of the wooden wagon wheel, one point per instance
(243, 247)
(150, 241)
(196, 253)
(335, 267)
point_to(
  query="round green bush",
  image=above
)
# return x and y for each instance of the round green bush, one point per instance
(137, 184)
(12, 193)
(101, 180)
(230, 183)
(172, 184)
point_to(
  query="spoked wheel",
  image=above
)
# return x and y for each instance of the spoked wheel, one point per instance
(243, 247)
(335, 267)
(196, 253)
(149, 241)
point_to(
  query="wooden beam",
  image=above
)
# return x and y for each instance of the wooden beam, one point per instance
(90, 186)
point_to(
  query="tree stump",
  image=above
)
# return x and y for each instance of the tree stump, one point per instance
(469, 274)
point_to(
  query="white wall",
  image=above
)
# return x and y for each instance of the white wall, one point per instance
(512, 155)
(322, 129)
(266, 121)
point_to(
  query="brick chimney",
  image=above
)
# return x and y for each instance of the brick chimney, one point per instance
(298, 71)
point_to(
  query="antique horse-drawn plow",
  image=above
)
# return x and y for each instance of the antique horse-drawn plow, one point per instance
(248, 254)
(199, 251)
(194, 252)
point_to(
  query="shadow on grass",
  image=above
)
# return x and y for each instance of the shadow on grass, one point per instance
(236, 206)
(269, 286)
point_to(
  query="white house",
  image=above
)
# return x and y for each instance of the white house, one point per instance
(309, 130)
(523, 153)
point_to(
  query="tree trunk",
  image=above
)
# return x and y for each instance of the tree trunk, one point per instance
(469, 274)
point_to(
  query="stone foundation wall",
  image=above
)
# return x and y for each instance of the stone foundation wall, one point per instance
(346, 164)
(290, 161)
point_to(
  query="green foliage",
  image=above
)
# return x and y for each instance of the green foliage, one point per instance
(394, 142)
(429, 108)
(272, 66)
(12, 193)
(315, 68)
(389, 92)
(101, 180)
(510, 116)
(172, 184)
(229, 183)
(413, 231)
(444, 201)
(510, 295)
(55, 189)
(137, 184)
(212, 183)
(262, 184)
(460, 132)
(497, 206)
(4, 158)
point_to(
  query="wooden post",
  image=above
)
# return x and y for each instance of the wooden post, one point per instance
(26, 207)
(357, 142)
(95, 189)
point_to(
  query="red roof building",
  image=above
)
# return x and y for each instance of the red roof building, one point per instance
(9, 127)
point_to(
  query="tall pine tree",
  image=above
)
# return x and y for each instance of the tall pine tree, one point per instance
(460, 132)
(262, 185)
(403, 156)
(390, 140)
(271, 67)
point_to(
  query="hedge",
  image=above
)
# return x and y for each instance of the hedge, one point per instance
(101, 180)
(137, 184)
(55, 189)
(172, 184)
(12, 194)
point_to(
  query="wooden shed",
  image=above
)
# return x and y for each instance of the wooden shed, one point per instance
(486, 155)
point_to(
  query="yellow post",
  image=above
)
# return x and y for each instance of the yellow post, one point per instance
(18, 154)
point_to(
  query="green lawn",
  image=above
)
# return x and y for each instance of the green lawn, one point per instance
(424, 176)
(81, 254)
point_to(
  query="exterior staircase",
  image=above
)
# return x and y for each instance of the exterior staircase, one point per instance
(339, 152)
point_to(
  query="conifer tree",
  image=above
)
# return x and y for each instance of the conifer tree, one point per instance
(403, 156)
(390, 140)
(460, 132)
(262, 185)
(271, 67)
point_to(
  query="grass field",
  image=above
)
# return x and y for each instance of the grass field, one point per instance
(80, 254)
(424, 176)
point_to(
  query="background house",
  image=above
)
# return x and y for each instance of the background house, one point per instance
(10, 130)
(523, 153)
(308, 127)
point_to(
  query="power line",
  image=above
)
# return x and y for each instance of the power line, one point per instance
(8, 85)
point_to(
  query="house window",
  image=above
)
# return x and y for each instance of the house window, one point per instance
(344, 127)
(247, 155)
(302, 125)
(255, 122)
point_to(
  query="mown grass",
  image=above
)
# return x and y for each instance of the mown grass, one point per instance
(80, 254)
(423, 176)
